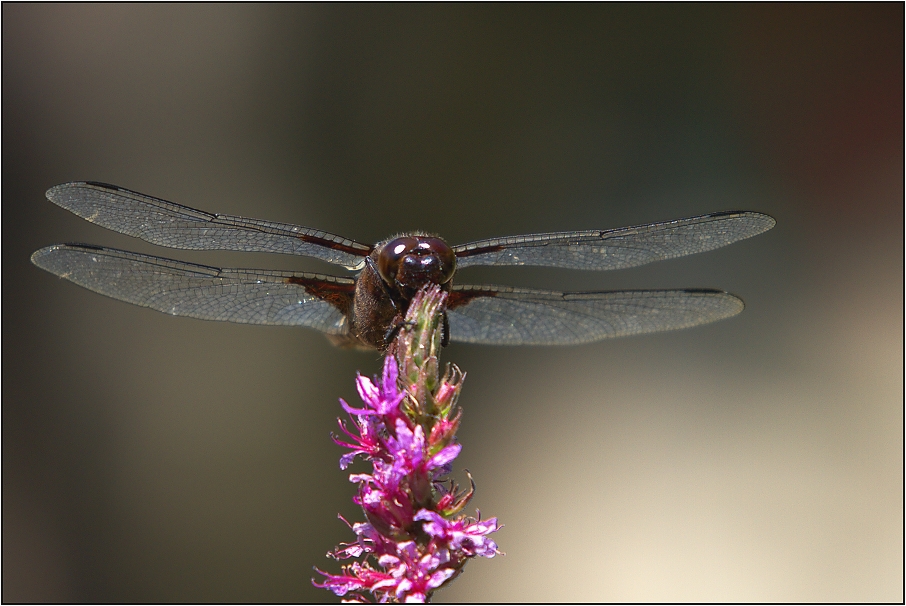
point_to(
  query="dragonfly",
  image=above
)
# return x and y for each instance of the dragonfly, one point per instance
(364, 309)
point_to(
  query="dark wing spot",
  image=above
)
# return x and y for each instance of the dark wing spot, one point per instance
(338, 295)
(353, 250)
(458, 298)
(479, 251)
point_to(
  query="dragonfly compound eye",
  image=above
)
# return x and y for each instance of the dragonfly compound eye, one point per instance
(412, 261)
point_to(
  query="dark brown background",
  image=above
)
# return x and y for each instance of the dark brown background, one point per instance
(154, 458)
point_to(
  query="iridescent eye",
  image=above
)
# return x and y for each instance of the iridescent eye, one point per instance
(391, 255)
(444, 254)
(413, 261)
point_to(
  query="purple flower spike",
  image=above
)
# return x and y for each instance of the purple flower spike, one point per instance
(415, 540)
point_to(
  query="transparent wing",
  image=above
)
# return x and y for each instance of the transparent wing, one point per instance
(197, 291)
(499, 315)
(176, 226)
(616, 248)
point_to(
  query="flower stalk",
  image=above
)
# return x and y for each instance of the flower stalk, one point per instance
(415, 538)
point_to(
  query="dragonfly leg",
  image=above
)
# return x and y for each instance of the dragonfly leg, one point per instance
(395, 329)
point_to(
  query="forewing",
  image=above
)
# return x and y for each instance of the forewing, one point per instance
(616, 248)
(245, 296)
(499, 315)
(176, 226)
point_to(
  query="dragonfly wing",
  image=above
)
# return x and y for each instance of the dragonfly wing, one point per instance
(176, 226)
(500, 315)
(245, 296)
(616, 248)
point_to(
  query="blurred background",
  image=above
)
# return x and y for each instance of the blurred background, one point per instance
(152, 458)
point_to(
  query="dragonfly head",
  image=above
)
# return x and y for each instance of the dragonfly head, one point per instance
(410, 262)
